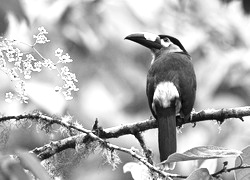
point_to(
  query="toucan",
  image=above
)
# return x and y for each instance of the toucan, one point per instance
(171, 86)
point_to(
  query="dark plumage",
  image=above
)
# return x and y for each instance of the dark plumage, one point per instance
(171, 85)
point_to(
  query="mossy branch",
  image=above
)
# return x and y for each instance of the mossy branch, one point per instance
(100, 135)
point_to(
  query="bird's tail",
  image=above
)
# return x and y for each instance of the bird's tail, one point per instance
(166, 132)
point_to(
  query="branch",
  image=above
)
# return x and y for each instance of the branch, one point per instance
(147, 152)
(114, 132)
(54, 147)
(220, 115)
(226, 170)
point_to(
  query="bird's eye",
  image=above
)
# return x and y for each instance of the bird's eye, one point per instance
(166, 39)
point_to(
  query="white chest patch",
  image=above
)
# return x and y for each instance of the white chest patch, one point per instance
(165, 92)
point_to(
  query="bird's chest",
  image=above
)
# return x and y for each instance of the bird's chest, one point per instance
(163, 84)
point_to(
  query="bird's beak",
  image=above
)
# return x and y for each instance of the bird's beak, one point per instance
(148, 40)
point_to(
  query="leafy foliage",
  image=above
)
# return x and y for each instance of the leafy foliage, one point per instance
(204, 152)
(201, 173)
(241, 174)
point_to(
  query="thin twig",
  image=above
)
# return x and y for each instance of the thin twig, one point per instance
(225, 170)
(147, 152)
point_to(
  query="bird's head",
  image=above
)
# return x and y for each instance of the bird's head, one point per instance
(157, 43)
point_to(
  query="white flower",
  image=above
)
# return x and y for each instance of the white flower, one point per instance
(58, 52)
(42, 30)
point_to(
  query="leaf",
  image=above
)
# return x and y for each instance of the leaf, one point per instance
(241, 174)
(138, 171)
(201, 173)
(210, 164)
(30, 162)
(203, 152)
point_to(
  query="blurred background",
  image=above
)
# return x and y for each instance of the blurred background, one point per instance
(112, 72)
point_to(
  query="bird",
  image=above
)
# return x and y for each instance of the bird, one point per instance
(171, 86)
